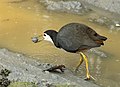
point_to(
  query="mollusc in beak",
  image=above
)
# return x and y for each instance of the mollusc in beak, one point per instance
(37, 39)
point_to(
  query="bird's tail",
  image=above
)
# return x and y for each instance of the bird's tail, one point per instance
(101, 39)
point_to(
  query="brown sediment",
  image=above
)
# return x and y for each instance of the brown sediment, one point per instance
(17, 1)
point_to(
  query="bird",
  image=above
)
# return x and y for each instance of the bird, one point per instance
(75, 38)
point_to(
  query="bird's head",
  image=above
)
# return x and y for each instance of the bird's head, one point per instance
(50, 35)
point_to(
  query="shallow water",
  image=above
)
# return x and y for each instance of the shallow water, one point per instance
(21, 21)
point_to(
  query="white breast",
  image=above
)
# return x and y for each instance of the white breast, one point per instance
(47, 38)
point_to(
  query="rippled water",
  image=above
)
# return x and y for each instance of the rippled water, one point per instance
(21, 21)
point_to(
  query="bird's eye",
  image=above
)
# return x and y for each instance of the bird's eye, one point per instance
(44, 34)
(95, 34)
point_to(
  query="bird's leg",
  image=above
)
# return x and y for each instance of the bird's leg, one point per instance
(81, 61)
(87, 70)
(86, 62)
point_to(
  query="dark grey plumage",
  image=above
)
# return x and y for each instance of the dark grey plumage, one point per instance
(75, 37)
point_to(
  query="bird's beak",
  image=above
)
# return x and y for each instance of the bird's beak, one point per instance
(40, 37)
(37, 39)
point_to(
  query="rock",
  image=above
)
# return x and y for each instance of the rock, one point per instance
(110, 5)
(65, 6)
(100, 21)
(112, 27)
(105, 21)
(99, 53)
(117, 25)
(34, 73)
(47, 72)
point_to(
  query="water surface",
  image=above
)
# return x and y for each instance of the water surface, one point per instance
(20, 21)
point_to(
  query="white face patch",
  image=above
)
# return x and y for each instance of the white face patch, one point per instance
(47, 37)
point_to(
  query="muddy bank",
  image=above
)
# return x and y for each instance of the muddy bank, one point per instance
(24, 69)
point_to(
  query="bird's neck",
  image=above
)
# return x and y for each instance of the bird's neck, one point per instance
(54, 39)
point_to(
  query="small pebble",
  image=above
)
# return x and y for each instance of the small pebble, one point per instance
(43, 80)
(47, 72)
(19, 55)
(39, 64)
(117, 25)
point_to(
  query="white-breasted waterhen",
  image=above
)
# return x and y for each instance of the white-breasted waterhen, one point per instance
(75, 38)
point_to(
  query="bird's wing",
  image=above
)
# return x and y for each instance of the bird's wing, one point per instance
(74, 37)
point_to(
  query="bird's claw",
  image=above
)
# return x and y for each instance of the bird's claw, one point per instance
(89, 77)
(76, 70)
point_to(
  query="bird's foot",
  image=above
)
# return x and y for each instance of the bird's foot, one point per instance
(76, 70)
(89, 77)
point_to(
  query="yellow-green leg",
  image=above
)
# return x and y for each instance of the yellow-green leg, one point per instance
(81, 61)
(87, 70)
(86, 62)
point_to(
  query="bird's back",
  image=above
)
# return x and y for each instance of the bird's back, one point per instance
(74, 36)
